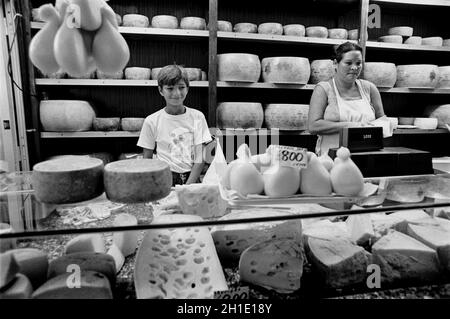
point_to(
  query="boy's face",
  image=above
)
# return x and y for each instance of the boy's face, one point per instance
(174, 95)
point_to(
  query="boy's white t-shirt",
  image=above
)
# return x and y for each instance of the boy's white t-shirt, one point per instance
(174, 136)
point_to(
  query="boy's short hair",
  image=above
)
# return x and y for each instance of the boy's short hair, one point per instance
(171, 74)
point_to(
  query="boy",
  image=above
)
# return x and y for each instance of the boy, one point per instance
(177, 133)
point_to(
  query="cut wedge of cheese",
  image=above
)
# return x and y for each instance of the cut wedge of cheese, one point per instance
(119, 258)
(85, 243)
(338, 262)
(232, 240)
(275, 264)
(179, 263)
(325, 229)
(404, 259)
(361, 229)
(33, 263)
(126, 241)
(432, 236)
(20, 288)
(8, 269)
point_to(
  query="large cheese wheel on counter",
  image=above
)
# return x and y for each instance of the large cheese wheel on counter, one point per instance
(239, 115)
(316, 32)
(239, 67)
(66, 115)
(286, 69)
(193, 23)
(224, 26)
(137, 180)
(137, 73)
(135, 20)
(444, 77)
(297, 30)
(245, 27)
(287, 116)
(165, 22)
(270, 28)
(381, 74)
(337, 33)
(402, 31)
(321, 70)
(68, 179)
(441, 112)
(417, 76)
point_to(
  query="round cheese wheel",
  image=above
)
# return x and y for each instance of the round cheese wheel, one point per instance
(321, 70)
(239, 115)
(337, 33)
(286, 116)
(317, 32)
(441, 112)
(245, 27)
(165, 22)
(154, 73)
(406, 120)
(137, 73)
(132, 124)
(194, 74)
(297, 30)
(270, 28)
(106, 123)
(137, 180)
(224, 26)
(66, 115)
(391, 39)
(381, 74)
(415, 40)
(353, 34)
(446, 43)
(434, 41)
(286, 70)
(135, 20)
(193, 23)
(112, 76)
(68, 179)
(417, 76)
(240, 67)
(444, 77)
(402, 31)
(204, 76)
(426, 123)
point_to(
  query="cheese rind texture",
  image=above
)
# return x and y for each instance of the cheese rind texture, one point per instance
(8, 269)
(275, 264)
(85, 243)
(20, 288)
(33, 263)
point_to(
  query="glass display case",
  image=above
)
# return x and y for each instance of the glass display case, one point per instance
(395, 236)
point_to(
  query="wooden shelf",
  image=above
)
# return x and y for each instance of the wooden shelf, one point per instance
(262, 85)
(150, 31)
(420, 131)
(101, 82)
(89, 134)
(408, 47)
(412, 90)
(437, 3)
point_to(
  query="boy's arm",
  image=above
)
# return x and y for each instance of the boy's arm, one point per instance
(148, 153)
(199, 162)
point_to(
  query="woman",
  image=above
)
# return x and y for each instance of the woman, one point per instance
(344, 100)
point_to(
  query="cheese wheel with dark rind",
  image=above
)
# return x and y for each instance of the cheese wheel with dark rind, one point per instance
(137, 181)
(68, 179)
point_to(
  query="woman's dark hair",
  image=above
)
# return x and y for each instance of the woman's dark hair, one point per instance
(344, 48)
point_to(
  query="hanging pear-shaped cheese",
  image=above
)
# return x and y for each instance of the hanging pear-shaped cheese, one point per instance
(281, 181)
(315, 179)
(70, 49)
(110, 50)
(346, 178)
(41, 46)
(90, 15)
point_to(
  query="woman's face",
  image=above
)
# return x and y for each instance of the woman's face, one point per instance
(349, 68)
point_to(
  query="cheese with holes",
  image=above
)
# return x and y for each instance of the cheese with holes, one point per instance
(68, 179)
(239, 67)
(201, 199)
(137, 73)
(403, 258)
(325, 229)
(165, 22)
(33, 263)
(179, 263)
(135, 20)
(286, 69)
(132, 124)
(338, 262)
(8, 269)
(137, 180)
(93, 285)
(270, 28)
(126, 241)
(275, 264)
(116, 254)
(85, 243)
(98, 262)
(231, 240)
(20, 288)
(360, 229)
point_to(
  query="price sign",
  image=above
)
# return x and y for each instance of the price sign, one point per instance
(233, 293)
(289, 156)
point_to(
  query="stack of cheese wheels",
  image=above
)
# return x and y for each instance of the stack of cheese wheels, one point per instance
(414, 40)
(401, 31)
(417, 76)
(165, 22)
(66, 115)
(317, 32)
(224, 26)
(337, 33)
(135, 20)
(297, 30)
(137, 180)
(245, 27)
(321, 70)
(270, 28)
(239, 67)
(381, 74)
(193, 23)
(239, 115)
(68, 179)
(286, 69)
(444, 77)
(137, 73)
(286, 116)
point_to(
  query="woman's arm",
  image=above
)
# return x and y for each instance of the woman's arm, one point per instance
(148, 153)
(376, 101)
(199, 162)
(316, 123)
